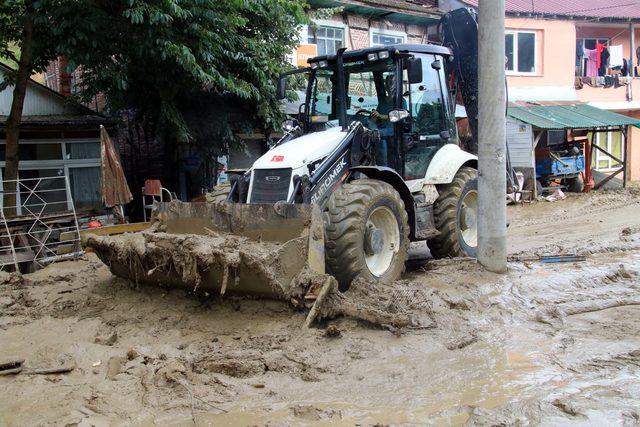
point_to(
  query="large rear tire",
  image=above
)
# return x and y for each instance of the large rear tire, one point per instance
(367, 233)
(455, 214)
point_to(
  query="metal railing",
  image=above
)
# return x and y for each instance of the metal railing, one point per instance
(41, 225)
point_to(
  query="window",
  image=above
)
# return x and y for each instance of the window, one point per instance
(322, 94)
(383, 38)
(328, 39)
(520, 52)
(581, 45)
(83, 150)
(85, 187)
(427, 104)
(51, 196)
(612, 143)
(78, 159)
(427, 101)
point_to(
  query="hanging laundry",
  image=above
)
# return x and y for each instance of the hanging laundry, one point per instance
(604, 63)
(603, 59)
(599, 47)
(592, 64)
(616, 56)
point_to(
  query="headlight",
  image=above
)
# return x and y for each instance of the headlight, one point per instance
(384, 54)
(397, 115)
(323, 64)
(314, 65)
(372, 56)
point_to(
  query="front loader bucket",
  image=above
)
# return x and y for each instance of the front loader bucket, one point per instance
(259, 249)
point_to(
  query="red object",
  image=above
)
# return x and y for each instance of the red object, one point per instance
(94, 224)
(277, 158)
(599, 47)
(152, 187)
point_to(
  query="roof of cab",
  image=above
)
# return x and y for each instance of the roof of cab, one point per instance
(415, 48)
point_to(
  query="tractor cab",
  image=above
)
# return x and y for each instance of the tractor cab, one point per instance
(399, 92)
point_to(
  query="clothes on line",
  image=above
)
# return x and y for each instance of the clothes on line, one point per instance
(599, 48)
(591, 56)
(616, 57)
(602, 81)
(604, 60)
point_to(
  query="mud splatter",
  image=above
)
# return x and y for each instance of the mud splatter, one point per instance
(450, 343)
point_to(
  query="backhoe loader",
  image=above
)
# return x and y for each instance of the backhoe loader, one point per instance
(369, 164)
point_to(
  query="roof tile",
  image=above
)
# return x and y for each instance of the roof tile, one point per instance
(582, 8)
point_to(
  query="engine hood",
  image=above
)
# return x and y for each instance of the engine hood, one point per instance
(301, 151)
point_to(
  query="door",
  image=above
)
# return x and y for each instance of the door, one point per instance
(429, 110)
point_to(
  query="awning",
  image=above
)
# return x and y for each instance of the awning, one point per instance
(398, 10)
(578, 116)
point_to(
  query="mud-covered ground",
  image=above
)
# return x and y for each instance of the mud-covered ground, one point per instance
(550, 344)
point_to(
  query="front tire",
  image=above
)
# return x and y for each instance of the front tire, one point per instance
(367, 232)
(455, 214)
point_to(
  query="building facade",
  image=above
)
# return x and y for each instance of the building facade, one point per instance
(361, 24)
(547, 48)
(58, 138)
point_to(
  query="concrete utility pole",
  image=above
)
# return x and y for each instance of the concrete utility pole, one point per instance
(492, 184)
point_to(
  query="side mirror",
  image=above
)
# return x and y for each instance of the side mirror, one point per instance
(414, 70)
(281, 88)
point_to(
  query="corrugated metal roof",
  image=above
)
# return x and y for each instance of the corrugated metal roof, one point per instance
(580, 116)
(583, 8)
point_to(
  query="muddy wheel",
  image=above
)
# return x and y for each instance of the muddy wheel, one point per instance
(219, 193)
(367, 232)
(455, 213)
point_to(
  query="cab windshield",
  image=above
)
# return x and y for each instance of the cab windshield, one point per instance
(370, 90)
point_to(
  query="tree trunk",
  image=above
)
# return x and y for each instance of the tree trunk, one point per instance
(15, 118)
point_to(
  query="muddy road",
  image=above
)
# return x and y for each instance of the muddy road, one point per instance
(549, 344)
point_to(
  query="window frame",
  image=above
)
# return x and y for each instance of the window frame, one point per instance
(608, 146)
(515, 71)
(385, 32)
(62, 163)
(312, 33)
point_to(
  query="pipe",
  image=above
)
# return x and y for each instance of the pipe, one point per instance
(492, 186)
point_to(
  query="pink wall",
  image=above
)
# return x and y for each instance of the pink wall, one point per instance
(610, 94)
(617, 35)
(556, 45)
(556, 50)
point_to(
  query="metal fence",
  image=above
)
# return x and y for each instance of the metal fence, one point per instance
(40, 226)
